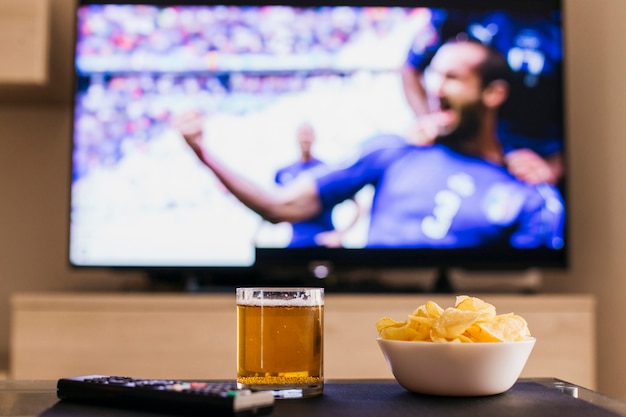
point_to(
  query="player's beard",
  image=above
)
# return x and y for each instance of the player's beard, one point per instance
(467, 129)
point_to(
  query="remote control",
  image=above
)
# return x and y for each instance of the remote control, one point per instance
(166, 396)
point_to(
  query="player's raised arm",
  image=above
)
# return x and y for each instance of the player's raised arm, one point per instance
(297, 201)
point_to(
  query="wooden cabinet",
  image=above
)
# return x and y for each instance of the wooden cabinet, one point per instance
(193, 335)
(24, 35)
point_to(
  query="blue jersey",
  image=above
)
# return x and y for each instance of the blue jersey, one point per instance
(436, 197)
(303, 233)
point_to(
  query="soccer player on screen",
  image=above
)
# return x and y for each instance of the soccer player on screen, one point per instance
(523, 156)
(303, 233)
(456, 193)
(319, 230)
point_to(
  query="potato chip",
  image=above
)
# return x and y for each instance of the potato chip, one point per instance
(478, 333)
(470, 320)
(463, 302)
(387, 322)
(429, 310)
(464, 339)
(503, 328)
(399, 333)
(433, 309)
(421, 325)
(453, 322)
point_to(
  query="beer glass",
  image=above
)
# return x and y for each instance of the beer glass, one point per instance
(280, 340)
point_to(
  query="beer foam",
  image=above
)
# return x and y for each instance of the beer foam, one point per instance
(273, 298)
(280, 303)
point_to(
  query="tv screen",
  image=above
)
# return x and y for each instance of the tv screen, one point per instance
(263, 136)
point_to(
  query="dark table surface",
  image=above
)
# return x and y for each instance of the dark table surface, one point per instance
(363, 398)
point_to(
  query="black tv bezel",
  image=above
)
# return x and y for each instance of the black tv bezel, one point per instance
(277, 265)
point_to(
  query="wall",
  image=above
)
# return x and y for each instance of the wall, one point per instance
(34, 159)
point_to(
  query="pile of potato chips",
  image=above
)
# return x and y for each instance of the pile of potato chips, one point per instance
(470, 320)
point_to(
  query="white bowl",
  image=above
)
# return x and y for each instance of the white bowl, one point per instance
(456, 369)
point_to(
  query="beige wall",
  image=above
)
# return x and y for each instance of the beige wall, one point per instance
(34, 160)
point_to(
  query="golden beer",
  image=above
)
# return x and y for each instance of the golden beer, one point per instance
(280, 340)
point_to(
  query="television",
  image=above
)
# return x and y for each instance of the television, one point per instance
(256, 72)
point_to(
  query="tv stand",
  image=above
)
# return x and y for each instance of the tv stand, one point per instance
(191, 282)
(442, 282)
(453, 280)
(527, 281)
(188, 283)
